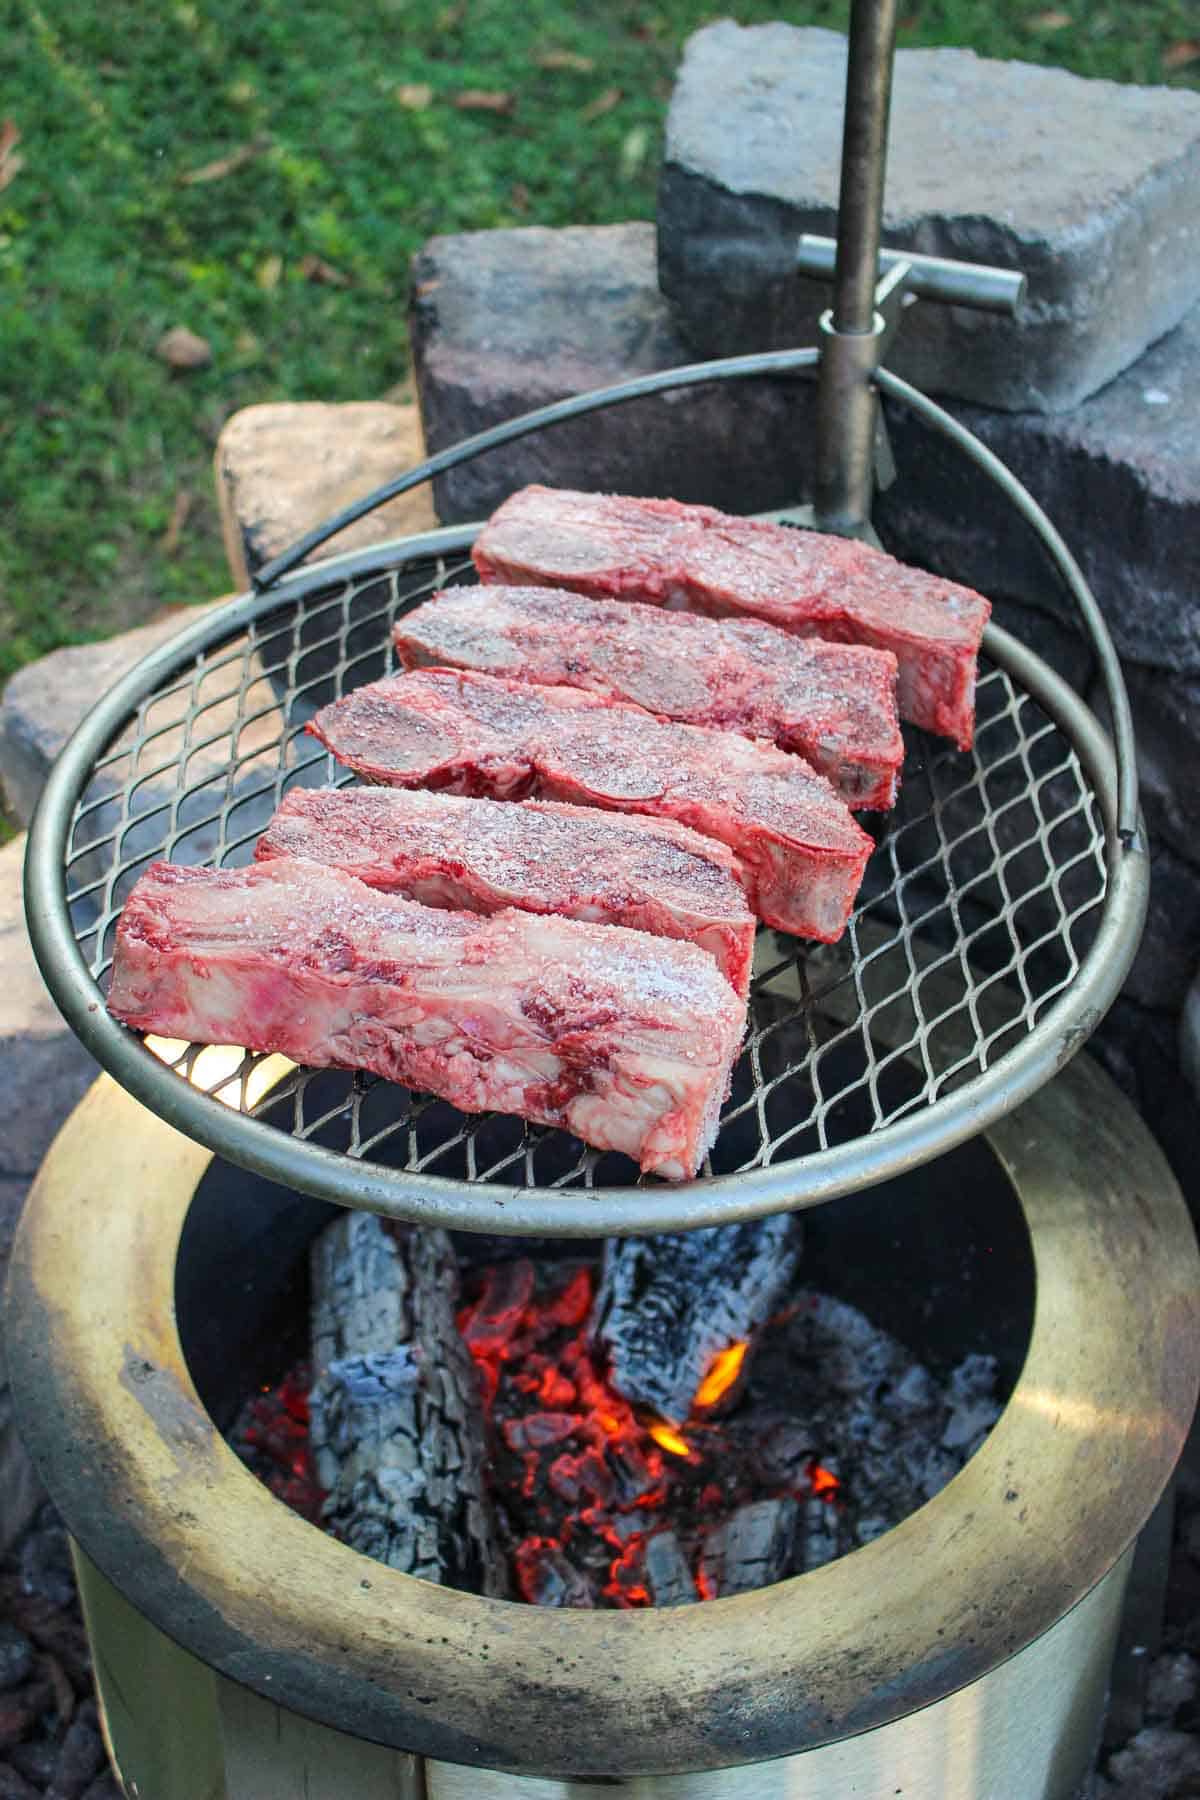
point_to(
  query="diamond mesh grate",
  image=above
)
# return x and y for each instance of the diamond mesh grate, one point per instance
(991, 870)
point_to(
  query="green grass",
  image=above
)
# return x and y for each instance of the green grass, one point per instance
(104, 245)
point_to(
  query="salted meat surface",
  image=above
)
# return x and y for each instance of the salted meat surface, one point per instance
(624, 1039)
(833, 704)
(801, 853)
(540, 856)
(701, 560)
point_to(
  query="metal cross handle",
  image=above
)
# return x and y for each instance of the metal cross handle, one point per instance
(872, 287)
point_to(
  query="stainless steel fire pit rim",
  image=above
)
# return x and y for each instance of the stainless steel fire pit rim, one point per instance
(167, 1512)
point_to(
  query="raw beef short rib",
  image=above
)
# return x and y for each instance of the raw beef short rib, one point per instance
(833, 704)
(700, 560)
(801, 852)
(624, 1039)
(481, 856)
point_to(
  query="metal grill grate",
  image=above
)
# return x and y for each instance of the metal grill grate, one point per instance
(991, 869)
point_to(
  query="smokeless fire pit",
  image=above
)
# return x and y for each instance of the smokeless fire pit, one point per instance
(240, 1651)
(966, 1651)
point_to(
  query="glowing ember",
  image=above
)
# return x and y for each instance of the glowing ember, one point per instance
(668, 1438)
(726, 1367)
(825, 1483)
(598, 1504)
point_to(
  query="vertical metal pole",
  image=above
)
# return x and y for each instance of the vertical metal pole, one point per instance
(850, 331)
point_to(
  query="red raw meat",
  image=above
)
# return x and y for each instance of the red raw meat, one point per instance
(480, 856)
(833, 704)
(624, 1039)
(801, 852)
(700, 560)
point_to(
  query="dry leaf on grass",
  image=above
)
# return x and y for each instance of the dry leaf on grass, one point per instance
(565, 59)
(415, 96)
(485, 100)
(1178, 56)
(10, 163)
(315, 268)
(269, 273)
(169, 542)
(180, 348)
(603, 103)
(225, 165)
(1048, 21)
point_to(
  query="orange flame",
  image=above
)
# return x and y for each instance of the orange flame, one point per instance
(824, 1482)
(667, 1438)
(725, 1368)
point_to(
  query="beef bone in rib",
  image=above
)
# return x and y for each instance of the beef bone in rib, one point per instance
(701, 560)
(539, 856)
(802, 853)
(833, 704)
(624, 1039)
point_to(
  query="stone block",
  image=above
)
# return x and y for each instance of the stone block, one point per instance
(43, 703)
(1119, 476)
(1088, 186)
(505, 321)
(44, 1069)
(282, 469)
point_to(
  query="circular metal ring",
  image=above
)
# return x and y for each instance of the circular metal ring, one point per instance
(164, 1508)
(1058, 1030)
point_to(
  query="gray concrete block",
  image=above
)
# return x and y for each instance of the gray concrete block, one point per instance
(1089, 186)
(282, 469)
(505, 321)
(1119, 476)
(44, 1070)
(43, 703)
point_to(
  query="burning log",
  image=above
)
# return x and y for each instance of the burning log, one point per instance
(669, 1307)
(397, 1419)
(750, 1550)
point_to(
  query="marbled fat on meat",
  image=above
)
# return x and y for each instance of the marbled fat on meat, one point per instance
(695, 558)
(539, 856)
(833, 704)
(624, 1039)
(802, 854)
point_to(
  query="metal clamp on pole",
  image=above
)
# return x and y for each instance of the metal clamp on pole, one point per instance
(978, 285)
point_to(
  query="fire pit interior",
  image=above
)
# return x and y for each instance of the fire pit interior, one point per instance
(870, 1364)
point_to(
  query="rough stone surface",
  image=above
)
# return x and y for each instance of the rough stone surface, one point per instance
(505, 321)
(44, 702)
(43, 1069)
(282, 469)
(1120, 477)
(1086, 185)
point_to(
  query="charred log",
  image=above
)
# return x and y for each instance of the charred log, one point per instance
(667, 1306)
(750, 1550)
(397, 1418)
(666, 1572)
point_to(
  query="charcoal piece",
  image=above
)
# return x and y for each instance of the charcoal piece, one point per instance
(666, 1572)
(16, 1656)
(751, 1549)
(816, 1539)
(81, 1758)
(667, 1305)
(397, 1419)
(548, 1579)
